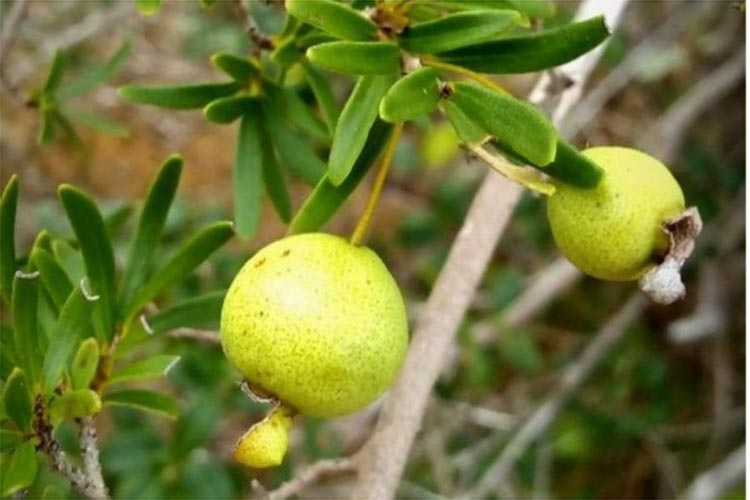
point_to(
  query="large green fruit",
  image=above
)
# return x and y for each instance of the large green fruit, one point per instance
(317, 322)
(614, 232)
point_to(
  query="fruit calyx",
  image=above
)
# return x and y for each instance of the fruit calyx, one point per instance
(663, 283)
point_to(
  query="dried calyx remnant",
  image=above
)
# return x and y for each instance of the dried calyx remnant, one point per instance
(663, 283)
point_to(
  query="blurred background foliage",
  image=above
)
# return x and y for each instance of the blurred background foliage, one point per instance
(654, 415)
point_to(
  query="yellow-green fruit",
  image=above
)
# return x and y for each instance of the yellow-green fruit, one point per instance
(613, 232)
(317, 322)
(265, 443)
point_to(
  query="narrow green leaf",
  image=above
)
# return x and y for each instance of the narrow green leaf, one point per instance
(46, 128)
(43, 241)
(155, 367)
(323, 94)
(25, 296)
(458, 30)
(8, 357)
(198, 312)
(192, 253)
(179, 96)
(532, 8)
(64, 124)
(85, 362)
(572, 167)
(9, 440)
(274, 178)
(228, 109)
(53, 276)
(520, 125)
(96, 76)
(294, 151)
(70, 259)
(56, 71)
(327, 198)
(248, 176)
(287, 53)
(17, 400)
(99, 123)
(414, 95)
(332, 17)
(149, 401)
(353, 126)
(297, 111)
(357, 58)
(78, 403)
(535, 52)
(98, 256)
(21, 470)
(8, 204)
(238, 68)
(67, 333)
(468, 132)
(138, 266)
(148, 7)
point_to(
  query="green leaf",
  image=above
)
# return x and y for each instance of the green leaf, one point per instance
(192, 253)
(8, 204)
(21, 470)
(353, 126)
(535, 52)
(323, 94)
(149, 401)
(43, 241)
(414, 95)
(74, 404)
(357, 58)
(9, 439)
(57, 69)
(99, 123)
(68, 331)
(458, 30)
(155, 367)
(25, 296)
(85, 363)
(296, 111)
(62, 121)
(8, 356)
(332, 17)
(238, 68)
(248, 176)
(198, 312)
(98, 256)
(148, 7)
(228, 109)
(70, 259)
(179, 96)
(274, 179)
(95, 77)
(532, 8)
(327, 198)
(294, 151)
(468, 132)
(53, 276)
(520, 125)
(572, 167)
(138, 266)
(287, 53)
(46, 128)
(17, 400)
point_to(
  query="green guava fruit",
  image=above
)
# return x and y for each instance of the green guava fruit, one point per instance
(615, 231)
(317, 323)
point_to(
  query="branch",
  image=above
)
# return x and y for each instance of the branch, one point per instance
(573, 377)
(90, 452)
(384, 456)
(209, 336)
(254, 33)
(312, 474)
(720, 478)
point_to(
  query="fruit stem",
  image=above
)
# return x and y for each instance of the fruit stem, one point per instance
(525, 176)
(377, 188)
(471, 75)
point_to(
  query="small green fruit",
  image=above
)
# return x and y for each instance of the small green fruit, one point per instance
(265, 443)
(614, 231)
(317, 323)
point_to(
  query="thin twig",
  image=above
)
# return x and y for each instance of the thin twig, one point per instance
(574, 376)
(92, 467)
(719, 479)
(384, 456)
(209, 336)
(257, 38)
(313, 474)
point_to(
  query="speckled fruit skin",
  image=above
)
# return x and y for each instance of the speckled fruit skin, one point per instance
(316, 321)
(613, 232)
